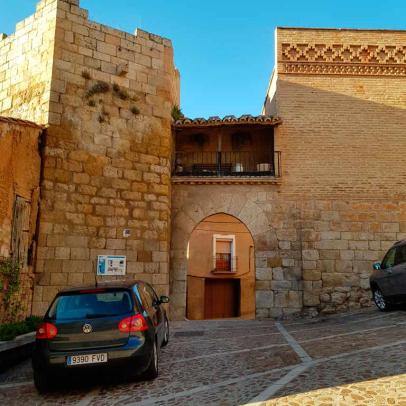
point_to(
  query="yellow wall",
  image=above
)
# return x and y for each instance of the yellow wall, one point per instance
(201, 263)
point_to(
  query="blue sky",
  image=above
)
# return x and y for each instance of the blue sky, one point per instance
(224, 49)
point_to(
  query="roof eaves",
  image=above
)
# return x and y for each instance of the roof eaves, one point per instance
(214, 121)
(19, 121)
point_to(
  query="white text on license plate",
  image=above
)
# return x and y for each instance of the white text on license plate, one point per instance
(87, 359)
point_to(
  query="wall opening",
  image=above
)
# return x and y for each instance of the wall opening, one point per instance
(221, 270)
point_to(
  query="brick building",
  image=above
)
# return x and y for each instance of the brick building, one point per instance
(312, 191)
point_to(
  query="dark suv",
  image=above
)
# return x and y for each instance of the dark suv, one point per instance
(108, 326)
(388, 280)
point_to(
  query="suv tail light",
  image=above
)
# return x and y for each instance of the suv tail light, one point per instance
(46, 331)
(133, 324)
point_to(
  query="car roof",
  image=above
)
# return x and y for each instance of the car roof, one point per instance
(103, 285)
(398, 243)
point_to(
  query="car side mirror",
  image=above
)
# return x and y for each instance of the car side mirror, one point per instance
(164, 299)
(377, 266)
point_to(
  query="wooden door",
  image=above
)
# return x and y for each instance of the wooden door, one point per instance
(222, 298)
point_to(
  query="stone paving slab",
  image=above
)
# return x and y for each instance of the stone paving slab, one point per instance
(213, 347)
(335, 345)
(340, 318)
(27, 395)
(229, 333)
(227, 395)
(374, 378)
(327, 328)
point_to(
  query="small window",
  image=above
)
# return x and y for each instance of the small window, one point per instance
(389, 259)
(224, 259)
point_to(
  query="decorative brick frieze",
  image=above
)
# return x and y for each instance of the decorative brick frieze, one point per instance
(342, 59)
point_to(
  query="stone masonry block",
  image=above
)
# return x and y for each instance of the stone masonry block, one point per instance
(332, 245)
(263, 274)
(264, 299)
(144, 256)
(274, 262)
(310, 255)
(309, 275)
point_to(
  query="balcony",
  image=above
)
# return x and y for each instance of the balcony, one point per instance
(226, 151)
(224, 264)
(227, 163)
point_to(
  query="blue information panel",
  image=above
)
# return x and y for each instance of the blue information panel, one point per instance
(111, 265)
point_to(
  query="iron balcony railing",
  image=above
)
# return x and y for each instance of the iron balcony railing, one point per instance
(226, 163)
(224, 263)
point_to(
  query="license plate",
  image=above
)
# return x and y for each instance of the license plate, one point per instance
(86, 359)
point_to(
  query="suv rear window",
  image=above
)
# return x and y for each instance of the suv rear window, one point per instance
(90, 305)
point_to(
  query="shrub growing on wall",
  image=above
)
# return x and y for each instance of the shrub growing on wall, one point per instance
(9, 285)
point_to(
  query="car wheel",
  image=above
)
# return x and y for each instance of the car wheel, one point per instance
(166, 333)
(42, 382)
(380, 301)
(152, 370)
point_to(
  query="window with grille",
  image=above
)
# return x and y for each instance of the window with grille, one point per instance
(224, 259)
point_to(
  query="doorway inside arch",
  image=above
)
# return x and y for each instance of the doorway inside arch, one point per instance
(221, 270)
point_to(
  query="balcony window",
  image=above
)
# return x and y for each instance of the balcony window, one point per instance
(224, 259)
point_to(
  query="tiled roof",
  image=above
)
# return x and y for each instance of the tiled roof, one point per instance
(246, 119)
(18, 121)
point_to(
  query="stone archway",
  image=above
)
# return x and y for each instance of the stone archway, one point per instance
(252, 206)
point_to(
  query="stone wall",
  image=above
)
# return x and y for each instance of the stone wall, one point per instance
(20, 165)
(107, 152)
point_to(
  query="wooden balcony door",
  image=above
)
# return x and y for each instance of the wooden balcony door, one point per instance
(222, 298)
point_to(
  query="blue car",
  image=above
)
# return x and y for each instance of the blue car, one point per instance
(109, 326)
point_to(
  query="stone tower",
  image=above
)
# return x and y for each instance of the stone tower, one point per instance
(106, 97)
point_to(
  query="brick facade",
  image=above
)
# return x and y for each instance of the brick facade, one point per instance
(341, 96)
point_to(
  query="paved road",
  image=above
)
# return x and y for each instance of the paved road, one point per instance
(352, 359)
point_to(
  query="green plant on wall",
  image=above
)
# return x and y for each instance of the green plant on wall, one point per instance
(177, 113)
(101, 87)
(9, 285)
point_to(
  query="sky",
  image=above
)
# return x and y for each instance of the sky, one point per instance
(224, 49)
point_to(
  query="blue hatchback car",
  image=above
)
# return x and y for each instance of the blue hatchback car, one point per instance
(108, 326)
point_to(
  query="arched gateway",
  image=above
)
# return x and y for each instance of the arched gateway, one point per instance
(221, 270)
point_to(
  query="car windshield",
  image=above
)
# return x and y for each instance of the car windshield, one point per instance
(90, 305)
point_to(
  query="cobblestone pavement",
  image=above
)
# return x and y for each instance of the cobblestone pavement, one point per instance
(352, 359)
